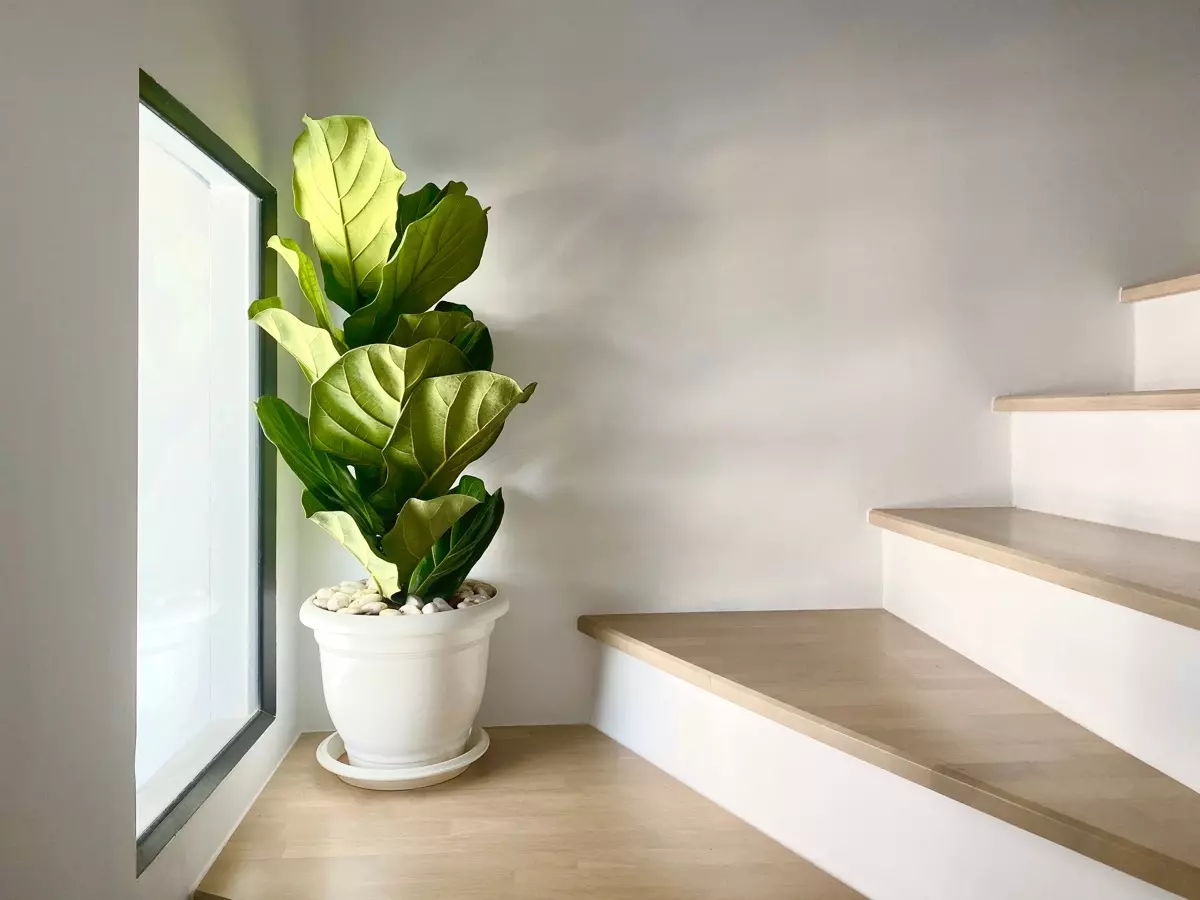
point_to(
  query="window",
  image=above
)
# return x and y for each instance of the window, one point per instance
(205, 627)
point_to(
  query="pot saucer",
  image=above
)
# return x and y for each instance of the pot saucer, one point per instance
(330, 750)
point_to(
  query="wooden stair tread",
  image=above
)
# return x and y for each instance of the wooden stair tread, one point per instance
(1127, 401)
(547, 813)
(1157, 575)
(871, 685)
(1169, 288)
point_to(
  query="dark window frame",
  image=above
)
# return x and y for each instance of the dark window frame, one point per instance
(156, 836)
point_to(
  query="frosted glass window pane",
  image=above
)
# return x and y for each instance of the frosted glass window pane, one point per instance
(197, 675)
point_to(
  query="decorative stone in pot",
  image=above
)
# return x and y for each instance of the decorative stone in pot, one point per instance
(403, 691)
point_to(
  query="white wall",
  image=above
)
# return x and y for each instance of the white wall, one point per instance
(68, 248)
(769, 261)
(1132, 469)
(239, 67)
(1165, 332)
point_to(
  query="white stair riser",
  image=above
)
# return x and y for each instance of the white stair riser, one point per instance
(1166, 335)
(885, 836)
(1133, 469)
(1131, 678)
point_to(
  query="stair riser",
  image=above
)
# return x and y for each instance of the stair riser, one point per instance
(884, 835)
(1166, 335)
(1132, 469)
(1131, 678)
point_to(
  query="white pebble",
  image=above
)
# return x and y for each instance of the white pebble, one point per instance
(377, 606)
(482, 587)
(439, 605)
(388, 611)
(350, 611)
(410, 609)
(325, 593)
(429, 609)
(348, 585)
(369, 597)
(337, 602)
(465, 602)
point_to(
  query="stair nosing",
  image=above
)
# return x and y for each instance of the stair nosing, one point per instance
(1067, 831)
(1136, 860)
(1159, 603)
(1155, 290)
(1187, 399)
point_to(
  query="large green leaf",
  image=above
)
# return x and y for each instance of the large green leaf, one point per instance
(355, 405)
(419, 525)
(448, 423)
(459, 328)
(311, 347)
(346, 187)
(346, 532)
(470, 486)
(369, 478)
(312, 503)
(442, 570)
(437, 252)
(300, 264)
(326, 480)
(413, 327)
(475, 342)
(417, 204)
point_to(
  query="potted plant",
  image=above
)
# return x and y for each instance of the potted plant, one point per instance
(401, 400)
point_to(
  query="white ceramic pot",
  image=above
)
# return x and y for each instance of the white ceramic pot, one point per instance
(404, 690)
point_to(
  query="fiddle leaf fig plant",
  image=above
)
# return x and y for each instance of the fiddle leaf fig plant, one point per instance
(402, 398)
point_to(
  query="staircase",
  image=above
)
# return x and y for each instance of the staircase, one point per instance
(1021, 719)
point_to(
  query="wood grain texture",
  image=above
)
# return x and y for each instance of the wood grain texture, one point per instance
(1154, 290)
(872, 686)
(1129, 401)
(1157, 575)
(548, 813)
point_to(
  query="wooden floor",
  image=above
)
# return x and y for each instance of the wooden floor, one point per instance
(1154, 574)
(873, 686)
(552, 812)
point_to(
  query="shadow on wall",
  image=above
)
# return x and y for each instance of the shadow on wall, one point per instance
(768, 263)
(579, 534)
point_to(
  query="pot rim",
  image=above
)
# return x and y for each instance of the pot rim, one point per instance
(326, 622)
